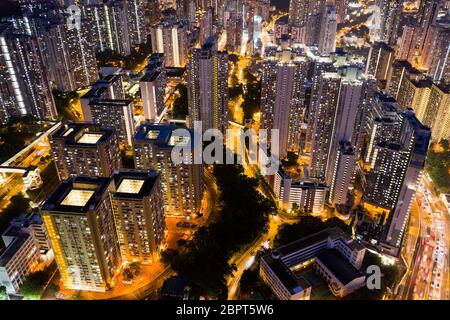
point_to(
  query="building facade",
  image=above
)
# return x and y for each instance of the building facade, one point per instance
(80, 225)
(85, 150)
(138, 209)
(208, 86)
(182, 184)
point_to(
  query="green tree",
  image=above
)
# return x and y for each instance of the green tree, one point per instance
(180, 105)
(249, 279)
(243, 216)
(438, 166)
(235, 91)
(3, 294)
(306, 227)
(390, 277)
(445, 144)
(19, 204)
(234, 58)
(33, 286)
(135, 268)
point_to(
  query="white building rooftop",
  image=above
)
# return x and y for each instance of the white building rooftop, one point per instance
(130, 186)
(77, 198)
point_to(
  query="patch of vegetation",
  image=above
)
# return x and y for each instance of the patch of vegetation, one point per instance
(19, 204)
(306, 227)
(243, 216)
(3, 295)
(235, 92)
(438, 165)
(252, 95)
(132, 271)
(138, 55)
(63, 100)
(33, 286)
(291, 159)
(390, 277)
(180, 105)
(17, 134)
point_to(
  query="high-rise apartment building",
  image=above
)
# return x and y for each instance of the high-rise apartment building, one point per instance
(137, 28)
(390, 13)
(70, 55)
(344, 167)
(300, 10)
(436, 50)
(426, 17)
(206, 24)
(399, 73)
(337, 102)
(109, 87)
(182, 184)
(138, 209)
(234, 34)
(389, 164)
(85, 150)
(25, 87)
(321, 65)
(109, 26)
(118, 25)
(381, 57)
(327, 38)
(308, 14)
(80, 225)
(406, 48)
(153, 87)
(414, 94)
(115, 114)
(208, 86)
(391, 184)
(383, 124)
(170, 36)
(437, 112)
(283, 96)
(325, 107)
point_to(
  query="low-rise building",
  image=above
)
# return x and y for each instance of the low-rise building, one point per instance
(19, 258)
(335, 256)
(305, 196)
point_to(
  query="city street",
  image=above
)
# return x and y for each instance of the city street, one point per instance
(11, 184)
(428, 275)
(244, 261)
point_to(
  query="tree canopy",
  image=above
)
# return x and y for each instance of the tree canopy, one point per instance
(180, 105)
(243, 216)
(305, 227)
(438, 166)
